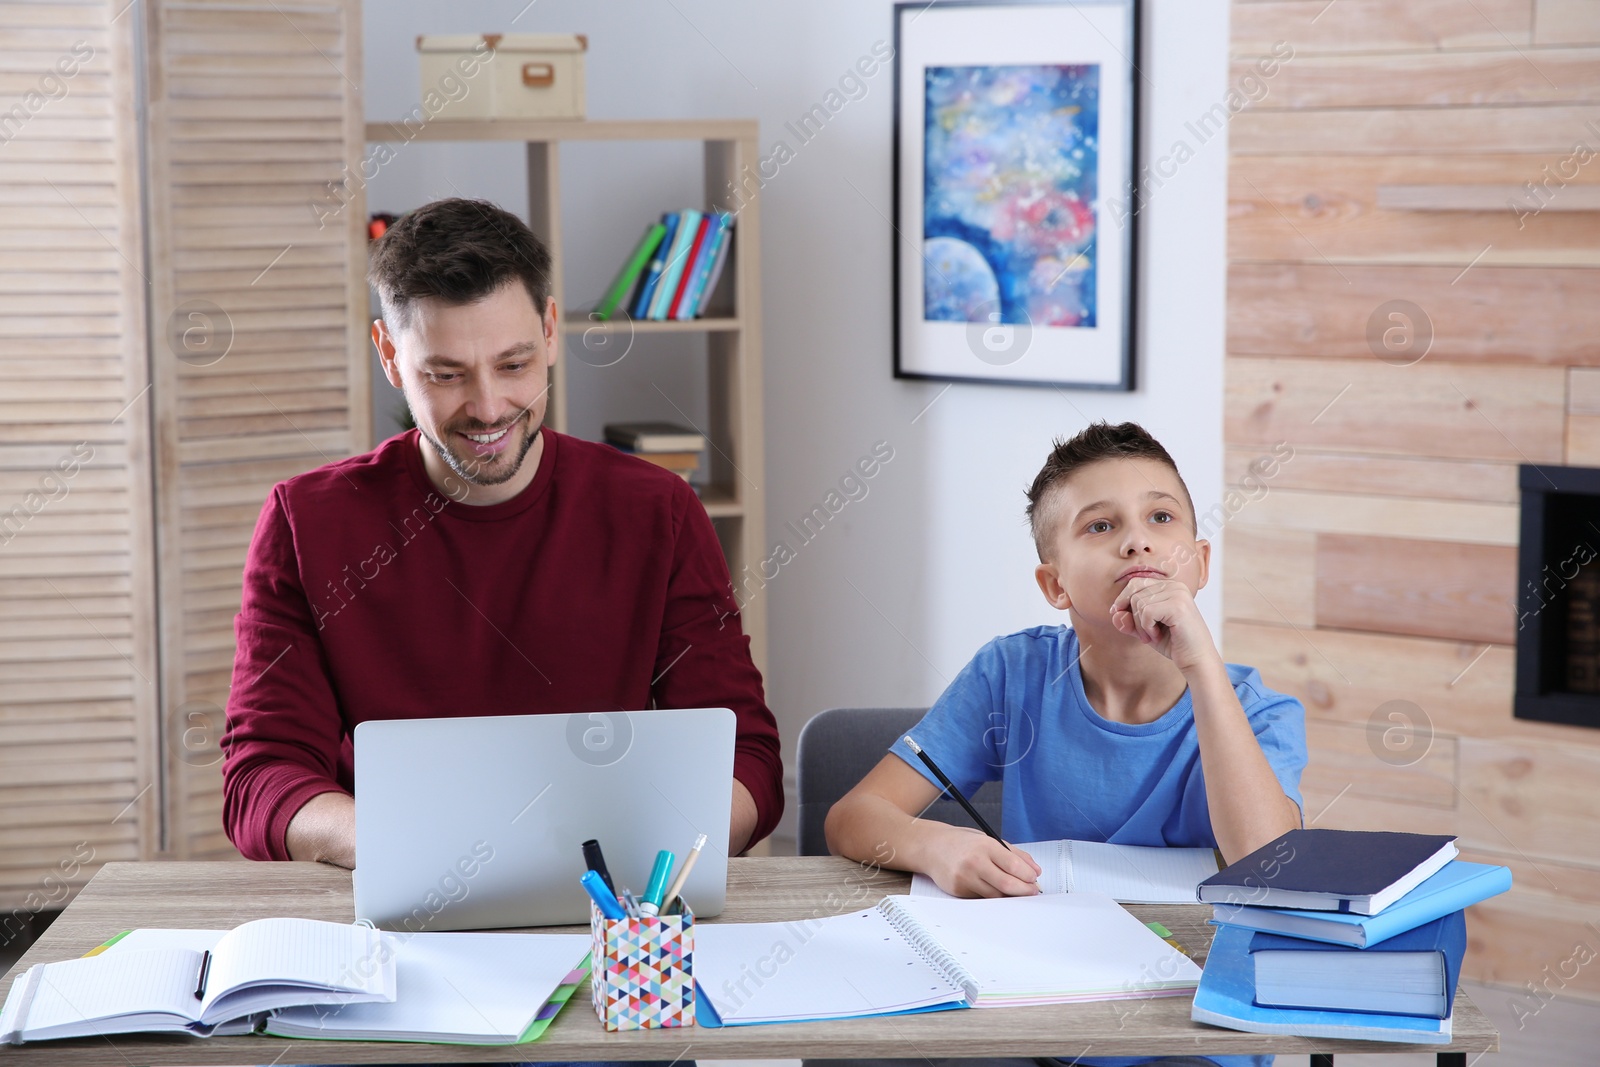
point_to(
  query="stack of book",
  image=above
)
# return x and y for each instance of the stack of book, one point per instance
(673, 269)
(666, 445)
(1342, 934)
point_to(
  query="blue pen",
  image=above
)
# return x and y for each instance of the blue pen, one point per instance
(651, 904)
(596, 888)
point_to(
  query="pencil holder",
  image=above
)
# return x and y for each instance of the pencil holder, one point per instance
(643, 970)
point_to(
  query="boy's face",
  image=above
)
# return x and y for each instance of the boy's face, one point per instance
(1112, 521)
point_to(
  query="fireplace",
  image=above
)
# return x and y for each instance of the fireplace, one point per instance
(1558, 596)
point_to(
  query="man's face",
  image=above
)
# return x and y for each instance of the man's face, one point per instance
(1118, 519)
(476, 377)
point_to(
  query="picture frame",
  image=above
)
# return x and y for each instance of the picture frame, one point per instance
(1016, 146)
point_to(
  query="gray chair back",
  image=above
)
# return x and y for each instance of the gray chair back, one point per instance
(837, 749)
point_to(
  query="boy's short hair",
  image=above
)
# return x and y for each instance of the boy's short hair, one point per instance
(1097, 441)
(459, 251)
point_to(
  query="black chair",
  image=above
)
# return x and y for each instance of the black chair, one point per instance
(838, 747)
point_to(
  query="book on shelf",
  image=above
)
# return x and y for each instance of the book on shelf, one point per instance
(1413, 973)
(653, 437)
(650, 280)
(1136, 874)
(673, 269)
(223, 987)
(1227, 997)
(1360, 871)
(1459, 884)
(628, 277)
(688, 227)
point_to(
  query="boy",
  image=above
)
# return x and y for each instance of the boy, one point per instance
(1126, 727)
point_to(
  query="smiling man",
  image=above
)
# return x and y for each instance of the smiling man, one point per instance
(481, 564)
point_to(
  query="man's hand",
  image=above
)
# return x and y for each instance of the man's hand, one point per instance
(1162, 613)
(969, 863)
(324, 830)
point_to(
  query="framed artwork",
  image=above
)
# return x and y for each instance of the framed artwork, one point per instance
(1015, 144)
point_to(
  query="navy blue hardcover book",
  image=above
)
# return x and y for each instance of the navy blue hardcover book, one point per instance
(1360, 871)
(1413, 973)
(658, 262)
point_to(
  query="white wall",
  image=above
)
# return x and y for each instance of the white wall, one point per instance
(898, 592)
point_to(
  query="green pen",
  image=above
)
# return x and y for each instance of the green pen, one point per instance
(651, 904)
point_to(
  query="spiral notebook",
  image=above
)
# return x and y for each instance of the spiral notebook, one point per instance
(927, 954)
(1133, 874)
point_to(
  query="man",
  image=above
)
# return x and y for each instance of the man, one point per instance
(480, 564)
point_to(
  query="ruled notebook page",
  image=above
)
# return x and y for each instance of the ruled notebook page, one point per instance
(110, 987)
(302, 952)
(1137, 873)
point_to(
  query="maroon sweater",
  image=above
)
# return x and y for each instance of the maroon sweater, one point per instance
(369, 594)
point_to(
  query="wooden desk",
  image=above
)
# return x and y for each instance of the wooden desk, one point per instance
(222, 895)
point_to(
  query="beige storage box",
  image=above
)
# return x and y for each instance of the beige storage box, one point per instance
(503, 75)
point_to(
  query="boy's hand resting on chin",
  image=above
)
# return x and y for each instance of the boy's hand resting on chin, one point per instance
(969, 863)
(1161, 612)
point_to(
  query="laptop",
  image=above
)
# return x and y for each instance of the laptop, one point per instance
(478, 823)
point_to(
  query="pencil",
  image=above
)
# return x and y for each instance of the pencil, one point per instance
(683, 873)
(950, 788)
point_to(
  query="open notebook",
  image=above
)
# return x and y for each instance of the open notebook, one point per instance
(1133, 874)
(910, 954)
(254, 968)
(457, 988)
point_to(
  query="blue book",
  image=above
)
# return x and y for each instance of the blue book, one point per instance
(1227, 998)
(682, 242)
(1459, 885)
(715, 274)
(1413, 973)
(1363, 871)
(652, 277)
(700, 269)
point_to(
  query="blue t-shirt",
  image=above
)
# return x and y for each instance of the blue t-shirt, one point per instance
(1017, 714)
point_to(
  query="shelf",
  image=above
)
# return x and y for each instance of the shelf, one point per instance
(564, 130)
(579, 321)
(719, 502)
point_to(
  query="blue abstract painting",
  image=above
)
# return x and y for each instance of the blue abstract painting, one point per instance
(1009, 190)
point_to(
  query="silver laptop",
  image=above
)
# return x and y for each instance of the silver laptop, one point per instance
(478, 823)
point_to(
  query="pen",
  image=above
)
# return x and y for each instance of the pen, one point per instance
(683, 872)
(205, 968)
(596, 862)
(602, 897)
(630, 903)
(651, 904)
(954, 792)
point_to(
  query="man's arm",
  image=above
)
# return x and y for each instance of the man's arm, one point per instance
(324, 830)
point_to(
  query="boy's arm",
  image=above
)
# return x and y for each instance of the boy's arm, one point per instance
(1247, 803)
(878, 819)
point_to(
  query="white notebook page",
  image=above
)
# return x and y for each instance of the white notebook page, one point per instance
(299, 951)
(467, 984)
(1135, 874)
(1040, 948)
(71, 991)
(838, 967)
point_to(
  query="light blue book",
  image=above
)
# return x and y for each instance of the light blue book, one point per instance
(1457, 885)
(1227, 997)
(700, 269)
(682, 243)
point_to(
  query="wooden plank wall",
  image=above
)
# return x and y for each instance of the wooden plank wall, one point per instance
(260, 366)
(1380, 564)
(78, 693)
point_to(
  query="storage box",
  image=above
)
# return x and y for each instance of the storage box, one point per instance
(503, 75)
(642, 971)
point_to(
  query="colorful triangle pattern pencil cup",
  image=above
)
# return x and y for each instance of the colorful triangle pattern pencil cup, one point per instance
(643, 976)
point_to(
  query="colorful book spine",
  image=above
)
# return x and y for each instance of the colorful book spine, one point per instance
(692, 263)
(624, 282)
(688, 225)
(702, 267)
(715, 274)
(652, 278)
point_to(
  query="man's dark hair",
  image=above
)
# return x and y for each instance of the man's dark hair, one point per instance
(458, 251)
(1097, 441)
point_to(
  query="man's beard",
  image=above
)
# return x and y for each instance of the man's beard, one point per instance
(473, 470)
